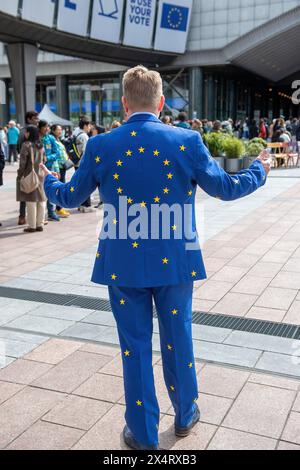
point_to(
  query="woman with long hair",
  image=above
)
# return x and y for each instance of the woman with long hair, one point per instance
(31, 156)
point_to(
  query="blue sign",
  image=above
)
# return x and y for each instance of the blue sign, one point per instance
(174, 17)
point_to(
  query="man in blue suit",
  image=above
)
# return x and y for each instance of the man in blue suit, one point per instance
(149, 249)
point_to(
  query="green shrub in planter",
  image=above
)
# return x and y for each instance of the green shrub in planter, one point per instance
(234, 149)
(253, 149)
(214, 142)
(258, 140)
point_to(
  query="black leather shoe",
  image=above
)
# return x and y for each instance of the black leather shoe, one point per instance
(184, 432)
(133, 443)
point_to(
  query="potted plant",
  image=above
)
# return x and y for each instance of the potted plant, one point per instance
(214, 142)
(253, 149)
(234, 150)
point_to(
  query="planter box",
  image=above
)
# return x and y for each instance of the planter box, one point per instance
(221, 161)
(233, 165)
(248, 161)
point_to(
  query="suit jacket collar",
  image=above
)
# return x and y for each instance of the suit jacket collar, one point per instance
(143, 117)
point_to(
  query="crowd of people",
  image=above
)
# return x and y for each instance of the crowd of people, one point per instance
(61, 150)
(276, 130)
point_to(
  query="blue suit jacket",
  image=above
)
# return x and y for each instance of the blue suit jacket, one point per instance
(150, 165)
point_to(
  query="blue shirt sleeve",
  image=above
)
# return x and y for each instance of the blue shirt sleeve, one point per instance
(219, 184)
(82, 185)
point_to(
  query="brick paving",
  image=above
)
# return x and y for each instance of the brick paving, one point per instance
(58, 393)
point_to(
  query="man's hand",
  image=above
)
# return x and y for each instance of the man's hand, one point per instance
(45, 172)
(266, 160)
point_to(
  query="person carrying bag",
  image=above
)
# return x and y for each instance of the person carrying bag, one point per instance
(29, 184)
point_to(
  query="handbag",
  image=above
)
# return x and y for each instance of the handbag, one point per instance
(31, 182)
(68, 165)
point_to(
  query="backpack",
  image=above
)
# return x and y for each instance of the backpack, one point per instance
(72, 149)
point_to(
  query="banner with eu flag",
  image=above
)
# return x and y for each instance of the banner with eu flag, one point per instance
(173, 25)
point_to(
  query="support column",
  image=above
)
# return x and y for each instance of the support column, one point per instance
(4, 102)
(196, 92)
(62, 96)
(22, 60)
(232, 100)
(211, 98)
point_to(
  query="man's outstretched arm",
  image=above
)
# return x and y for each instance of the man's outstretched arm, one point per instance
(82, 185)
(217, 183)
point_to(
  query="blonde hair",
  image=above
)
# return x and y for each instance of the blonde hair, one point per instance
(142, 87)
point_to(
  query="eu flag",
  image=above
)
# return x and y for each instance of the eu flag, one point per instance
(174, 17)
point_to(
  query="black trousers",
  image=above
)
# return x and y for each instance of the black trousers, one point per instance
(88, 202)
(12, 152)
(22, 209)
(63, 173)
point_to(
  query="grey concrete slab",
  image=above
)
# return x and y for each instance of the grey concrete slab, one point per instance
(22, 336)
(5, 361)
(100, 318)
(226, 354)
(211, 334)
(262, 342)
(50, 326)
(279, 363)
(62, 312)
(62, 269)
(44, 276)
(110, 335)
(86, 331)
(16, 349)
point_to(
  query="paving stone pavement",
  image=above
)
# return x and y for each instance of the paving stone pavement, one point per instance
(57, 363)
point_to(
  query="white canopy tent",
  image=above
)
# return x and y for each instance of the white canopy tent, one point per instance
(47, 115)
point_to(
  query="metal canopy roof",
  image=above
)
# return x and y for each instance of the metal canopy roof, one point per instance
(272, 50)
(13, 30)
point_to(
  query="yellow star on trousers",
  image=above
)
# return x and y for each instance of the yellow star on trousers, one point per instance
(98, 255)
(165, 261)
(114, 277)
(133, 134)
(194, 274)
(72, 190)
(191, 365)
(122, 302)
(172, 388)
(98, 159)
(135, 245)
(129, 153)
(156, 153)
(174, 312)
(170, 347)
(142, 150)
(182, 148)
(127, 353)
(120, 190)
(170, 176)
(139, 403)
(157, 199)
(129, 200)
(116, 176)
(166, 162)
(119, 163)
(190, 193)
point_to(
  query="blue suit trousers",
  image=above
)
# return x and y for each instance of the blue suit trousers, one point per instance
(133, 311)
